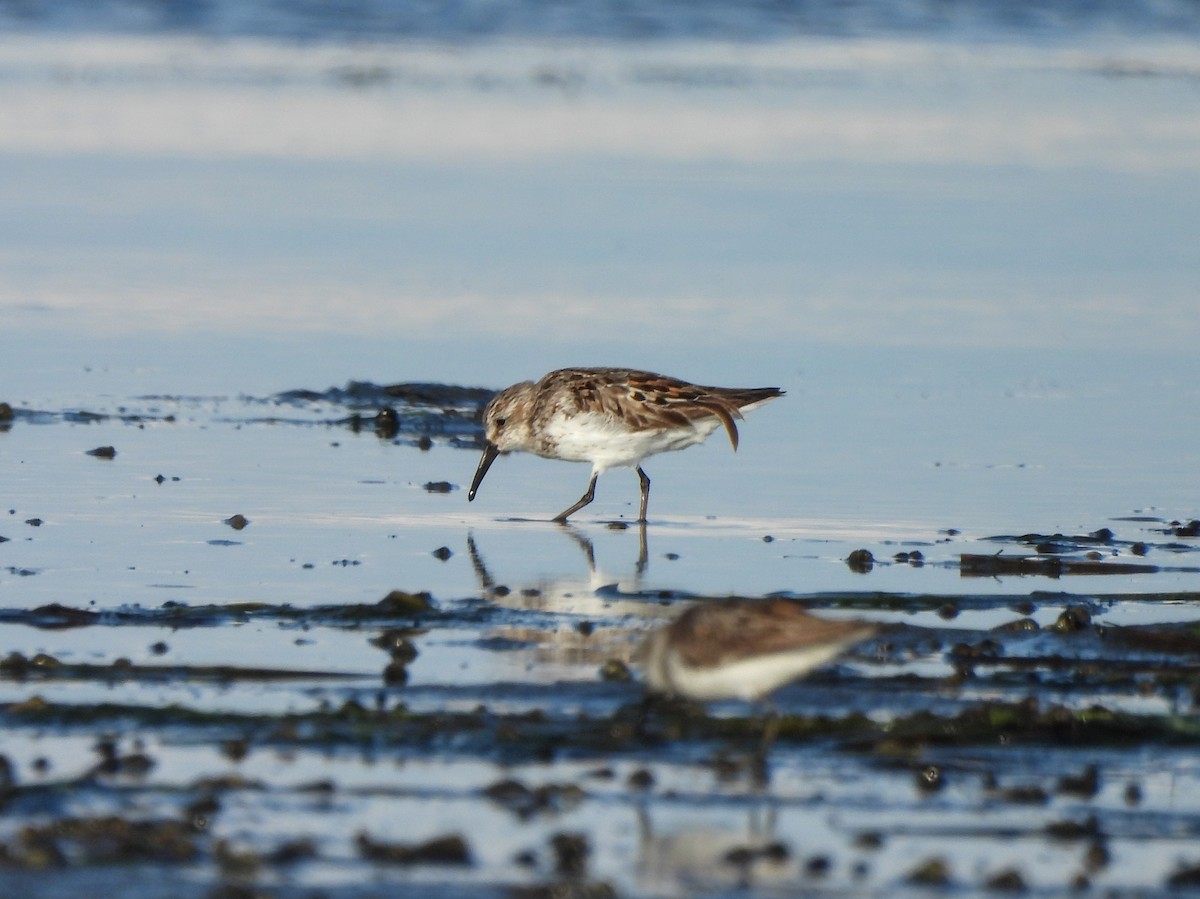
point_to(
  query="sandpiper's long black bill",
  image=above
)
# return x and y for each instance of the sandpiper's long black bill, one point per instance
(490, 452)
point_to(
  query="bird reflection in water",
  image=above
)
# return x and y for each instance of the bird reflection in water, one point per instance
(742, 649)
(591, 601)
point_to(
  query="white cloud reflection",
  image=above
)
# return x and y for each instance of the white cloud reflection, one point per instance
(870, 101)
(868, 191)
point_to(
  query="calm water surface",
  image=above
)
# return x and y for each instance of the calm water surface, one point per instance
(967, 254)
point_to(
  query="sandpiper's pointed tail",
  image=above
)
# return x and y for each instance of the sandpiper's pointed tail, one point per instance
(727, 403)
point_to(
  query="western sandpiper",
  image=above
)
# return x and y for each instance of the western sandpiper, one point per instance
(611, 417)
(742, 648)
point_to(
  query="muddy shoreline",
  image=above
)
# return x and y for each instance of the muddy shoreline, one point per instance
(495, 740)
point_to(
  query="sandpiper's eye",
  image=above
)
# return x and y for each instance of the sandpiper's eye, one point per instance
(500, 422)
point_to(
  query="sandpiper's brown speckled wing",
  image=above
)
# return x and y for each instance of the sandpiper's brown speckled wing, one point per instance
(646, 401)
(723, 631)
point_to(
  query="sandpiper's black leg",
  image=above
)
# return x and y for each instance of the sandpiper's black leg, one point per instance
(761, 772)
(587, 497)
(643, 550)
(645, 493)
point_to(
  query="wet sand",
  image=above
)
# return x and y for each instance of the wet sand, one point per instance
(222, 675)
(253, 639)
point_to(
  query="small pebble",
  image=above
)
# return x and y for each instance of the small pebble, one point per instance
(860, 561)
(1007, 881)
(641, 779)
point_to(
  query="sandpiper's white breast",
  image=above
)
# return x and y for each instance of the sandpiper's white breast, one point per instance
(750, 678)
(608, 442)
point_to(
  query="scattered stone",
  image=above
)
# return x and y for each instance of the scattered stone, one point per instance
(930, 779)
(398, 602)
(237, 522)
(103, 452)
(34, 522)
(870, 839)
(6, 412)
(641, 779)
(1185, 878)
(438, 487)
(1191, 529)
(571, 853)
(616, 671)
(387, 423)
(1074, 830)
(525, 802)
(818, 866)
(933, 872)
(17, 665)
(109, 840)
(741, 856)
(1072, 619)
(446, 850)
(1007, 881)
(1023, 795)
(860, 561)
(1085, 785)
(113, 764)
(395, 674)
(776, 852)
(442, 553)
(236, 749)
(1096, 857)
(1133, 793)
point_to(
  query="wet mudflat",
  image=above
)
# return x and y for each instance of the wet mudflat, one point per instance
(262, 646)
(254, 641)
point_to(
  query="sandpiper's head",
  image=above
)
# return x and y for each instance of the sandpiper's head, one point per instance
(505, 427)
(506, 418)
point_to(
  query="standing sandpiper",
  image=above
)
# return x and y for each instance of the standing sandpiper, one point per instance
(611, 417)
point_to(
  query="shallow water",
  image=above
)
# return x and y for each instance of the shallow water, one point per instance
(969, 262)
(202, 637)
